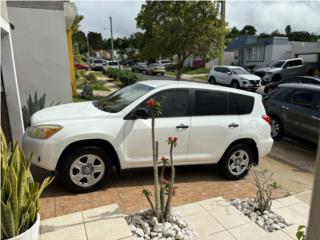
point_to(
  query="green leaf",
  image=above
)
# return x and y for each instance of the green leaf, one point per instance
(7, 220)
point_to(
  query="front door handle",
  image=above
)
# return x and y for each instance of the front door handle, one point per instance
(233, 125)
(182, 126)
(285, 107)
(316, 118)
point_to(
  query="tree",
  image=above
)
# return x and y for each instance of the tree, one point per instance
(302, 36)
(288, 30)
(234, 32)
(276, 33)
(80, 39)
(95, 40)
(264, 35)
(181, 29)
(248, 30)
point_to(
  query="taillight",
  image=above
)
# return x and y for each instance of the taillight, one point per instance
(267, 119)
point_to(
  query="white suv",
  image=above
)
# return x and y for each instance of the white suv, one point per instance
(214, 124)
(234, 76)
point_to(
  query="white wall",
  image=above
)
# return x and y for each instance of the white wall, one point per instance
(41, 55)
(228, 60)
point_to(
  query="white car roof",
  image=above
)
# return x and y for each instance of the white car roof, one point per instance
(167, 84)
(228, 66)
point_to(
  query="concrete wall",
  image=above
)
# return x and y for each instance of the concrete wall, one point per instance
(228, 60)
(41, 55)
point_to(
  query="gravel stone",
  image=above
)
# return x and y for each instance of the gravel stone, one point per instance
(267, 220)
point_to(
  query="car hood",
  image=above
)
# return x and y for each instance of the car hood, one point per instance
(268, 69)
(249, 76)
(71, 111)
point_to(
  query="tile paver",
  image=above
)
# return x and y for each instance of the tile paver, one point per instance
(225, 235)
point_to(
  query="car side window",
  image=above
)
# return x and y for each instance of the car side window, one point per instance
(292, 80)
(218, 69)
(317, 102)
(240, 104)
(302, 98)
(281, 94)
(288, 64)
(211, 103)
(174, 103)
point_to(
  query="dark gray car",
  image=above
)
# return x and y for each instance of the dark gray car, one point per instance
(295, 111)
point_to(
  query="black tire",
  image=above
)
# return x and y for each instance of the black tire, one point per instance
(64, 175)
(226, 161)
(235, 84)
(212, 80)
(311, 72)
(276, 129)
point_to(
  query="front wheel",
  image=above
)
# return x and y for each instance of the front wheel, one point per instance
(85, 169)
(235, 84)
(235, 162)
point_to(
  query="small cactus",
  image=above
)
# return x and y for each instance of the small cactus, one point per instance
(19, 193)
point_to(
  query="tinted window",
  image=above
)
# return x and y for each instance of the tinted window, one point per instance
(317, 103)
(97, 61)
(241, 104)
(174, 103)
(218, 69)
(302, 98)
(281, 94)
(296, 63)
(292, 80)
(211, 103)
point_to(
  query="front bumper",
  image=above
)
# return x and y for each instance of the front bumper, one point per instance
(266, 79)
(159, 71)
(45, 152)
(249, 85)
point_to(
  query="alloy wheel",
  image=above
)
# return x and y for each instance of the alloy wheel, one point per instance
(238, 162)
(275, 129)
(87, 170)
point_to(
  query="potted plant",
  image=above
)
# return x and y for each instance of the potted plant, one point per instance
(20, 195)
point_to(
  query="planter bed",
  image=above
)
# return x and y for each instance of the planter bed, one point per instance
(268, 220)
(144, 225)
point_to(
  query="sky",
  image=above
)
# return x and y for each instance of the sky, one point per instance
(266, 16)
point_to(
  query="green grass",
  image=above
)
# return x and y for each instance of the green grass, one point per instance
(196, 71)
(170, 73)
(99, 86)
(201, 78)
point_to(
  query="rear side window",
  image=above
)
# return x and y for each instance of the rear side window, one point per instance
(302, 98)
(281, 94)
(211, 103)
(241, 104)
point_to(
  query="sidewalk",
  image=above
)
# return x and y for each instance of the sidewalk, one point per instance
(212, 219)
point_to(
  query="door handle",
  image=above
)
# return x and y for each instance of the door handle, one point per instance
(285, 107)
(182, 126)
(316, 118)
(233, 125)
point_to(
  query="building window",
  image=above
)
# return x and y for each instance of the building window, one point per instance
(255, 53)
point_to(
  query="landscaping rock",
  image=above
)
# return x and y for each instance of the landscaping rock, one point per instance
(267, 220)
(145, 226)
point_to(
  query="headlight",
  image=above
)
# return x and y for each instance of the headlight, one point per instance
(244, 79)
(43, 131)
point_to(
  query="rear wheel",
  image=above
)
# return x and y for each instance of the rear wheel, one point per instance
(212, 80)
(85, 169)
(276, 78)
(276, 129)
(235, 162)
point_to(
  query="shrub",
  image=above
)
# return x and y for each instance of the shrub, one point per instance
(92, 77)
(127, 78)
(113, 73)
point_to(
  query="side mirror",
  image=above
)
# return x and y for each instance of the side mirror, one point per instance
(285, 67)
(141, 113)
(229, 73)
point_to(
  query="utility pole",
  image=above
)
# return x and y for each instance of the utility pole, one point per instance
(111, 38)
(223, 20)
(88, 47)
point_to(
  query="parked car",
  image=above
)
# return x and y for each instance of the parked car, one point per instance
(295, 111)
(155, 68)
(300, 79)
(139, 67)
(165, 62)
(234, 76)
(81, 66)
(113, 64)
(96, 65)
(275, 71)
(214, 124)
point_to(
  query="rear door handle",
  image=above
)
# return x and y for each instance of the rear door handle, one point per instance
(233, 125)
(316, 118)
(182, 126)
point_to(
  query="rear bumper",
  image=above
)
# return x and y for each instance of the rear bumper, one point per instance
(265, 147)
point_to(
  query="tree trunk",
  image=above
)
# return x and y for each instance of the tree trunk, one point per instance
(179, 67)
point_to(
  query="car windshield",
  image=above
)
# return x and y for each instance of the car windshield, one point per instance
(239, 71)
(113, 63)
(122, 98)
(97, 61)
(275, 64)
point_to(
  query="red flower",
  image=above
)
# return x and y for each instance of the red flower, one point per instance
(174, 190)
(175, 139)
(152, 102)
(170, 139)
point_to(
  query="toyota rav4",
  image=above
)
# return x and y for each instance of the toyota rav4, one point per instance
(81, 142)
